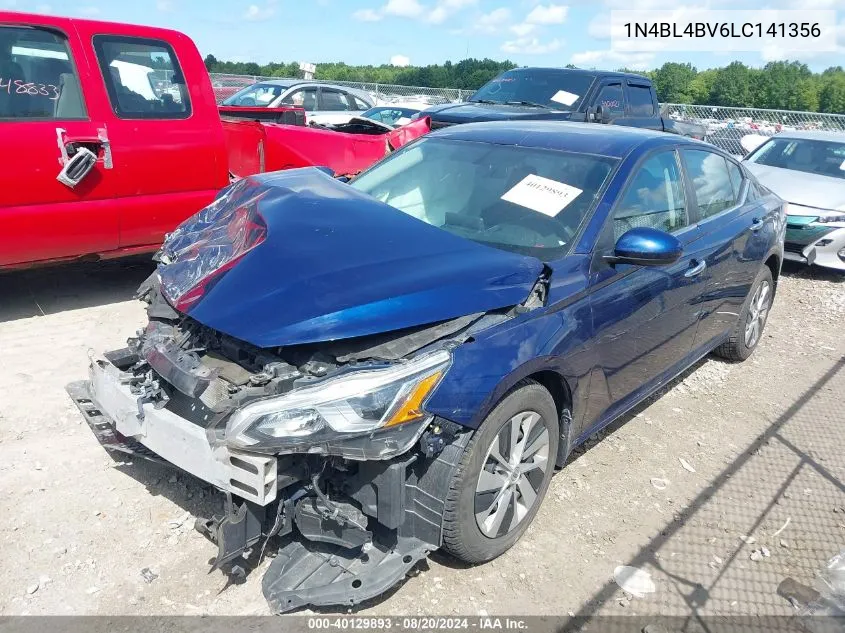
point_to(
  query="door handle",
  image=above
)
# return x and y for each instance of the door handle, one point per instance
(696, 270)
(756, 225)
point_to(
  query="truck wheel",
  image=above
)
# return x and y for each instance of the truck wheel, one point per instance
(748, 330)
(503, 475)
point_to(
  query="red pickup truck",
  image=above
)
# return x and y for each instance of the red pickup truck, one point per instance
(113, 137)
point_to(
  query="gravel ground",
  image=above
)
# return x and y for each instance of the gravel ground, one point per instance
(692, 487)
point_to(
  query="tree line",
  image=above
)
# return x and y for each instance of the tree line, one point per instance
(784, 85)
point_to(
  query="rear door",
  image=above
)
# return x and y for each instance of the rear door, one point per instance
(641, 106)
(167, 142)
(336, 106)
(736, 229)
(46, 113)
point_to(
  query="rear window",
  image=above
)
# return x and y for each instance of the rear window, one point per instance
(38, 79)
(821, 157)
(640, 102)
(142, 77)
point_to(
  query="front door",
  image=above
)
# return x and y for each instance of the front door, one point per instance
(44, 117)
(167, 141)
(644, 317)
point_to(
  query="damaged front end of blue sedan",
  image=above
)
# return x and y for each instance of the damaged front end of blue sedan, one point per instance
(298, 333)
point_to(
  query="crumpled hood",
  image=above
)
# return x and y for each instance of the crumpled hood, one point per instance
(336, 263)
(809, 190)
(476, 112)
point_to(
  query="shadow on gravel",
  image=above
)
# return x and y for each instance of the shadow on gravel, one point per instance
(789, 478)
(51, 289)
(816, 273)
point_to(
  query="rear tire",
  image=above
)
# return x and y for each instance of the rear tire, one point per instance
(516, 447)
(748, 331)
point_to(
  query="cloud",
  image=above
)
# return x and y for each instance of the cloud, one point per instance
(607, 58)
(400, 60)
(255, 13)
(493, 21)
(521, 30)
(530, 46)
(165, 6)
(403, 8)
(551, 14)
(367, 15)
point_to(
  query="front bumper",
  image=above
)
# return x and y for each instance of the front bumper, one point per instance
(114, 415)
(383, 517)
(817, 244)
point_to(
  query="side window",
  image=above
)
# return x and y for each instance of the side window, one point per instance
(654, 197)
(711, 181)
(735, 172)
(360, 104)
(335, 100)
(37, 77)
(610, 98)
(639, 100)
(304, 97)
(142, 77)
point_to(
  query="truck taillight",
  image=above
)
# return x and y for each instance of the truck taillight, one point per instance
(204, 247)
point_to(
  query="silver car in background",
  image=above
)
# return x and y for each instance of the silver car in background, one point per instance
(807, 169)
(326, 104)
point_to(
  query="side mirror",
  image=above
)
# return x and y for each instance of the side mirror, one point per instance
(602, 114)
(77, 167)
(644, 246)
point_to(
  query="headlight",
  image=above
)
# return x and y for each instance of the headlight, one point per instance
(380, 404)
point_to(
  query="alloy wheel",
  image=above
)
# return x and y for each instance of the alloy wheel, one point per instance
(758, 311)
(512, 473)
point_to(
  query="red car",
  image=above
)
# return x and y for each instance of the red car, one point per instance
(113, 137)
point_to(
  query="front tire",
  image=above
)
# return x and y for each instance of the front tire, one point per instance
(503, 475)
(748, 331)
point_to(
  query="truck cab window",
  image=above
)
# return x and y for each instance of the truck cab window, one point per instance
(639, 100)
(142, 77)
(37, 77)
(611, 100)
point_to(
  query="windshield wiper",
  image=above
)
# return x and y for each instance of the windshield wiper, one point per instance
(528, 103)
(485, 101)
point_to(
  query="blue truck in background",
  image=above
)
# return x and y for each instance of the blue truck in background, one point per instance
(564, 94)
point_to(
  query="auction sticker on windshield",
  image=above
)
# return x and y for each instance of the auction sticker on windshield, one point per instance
(543, 195)
(566, 98)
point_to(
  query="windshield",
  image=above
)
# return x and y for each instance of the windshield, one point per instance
(548, 87)
(389, 115)
(825, 158)
(520, 199)
(257, 95)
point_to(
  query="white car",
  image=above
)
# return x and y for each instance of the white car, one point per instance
(324, 104)
(807, 169)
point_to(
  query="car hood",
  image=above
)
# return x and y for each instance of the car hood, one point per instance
(336, 263)
(476, 112)
(797, 187)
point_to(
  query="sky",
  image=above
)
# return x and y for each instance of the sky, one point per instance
(419, 32)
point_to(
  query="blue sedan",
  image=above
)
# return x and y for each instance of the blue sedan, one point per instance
(376, 369)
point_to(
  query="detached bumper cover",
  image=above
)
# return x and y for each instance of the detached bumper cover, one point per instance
(111, 410)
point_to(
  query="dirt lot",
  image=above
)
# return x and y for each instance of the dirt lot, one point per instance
(763, 446)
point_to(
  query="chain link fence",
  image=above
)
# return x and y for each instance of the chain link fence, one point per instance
(227, 85)
(726, 127)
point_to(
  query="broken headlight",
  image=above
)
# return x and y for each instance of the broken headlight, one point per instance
(362, 414)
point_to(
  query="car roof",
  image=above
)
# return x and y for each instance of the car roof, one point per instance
(592, 73)
(582, 138)
(816, 135)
